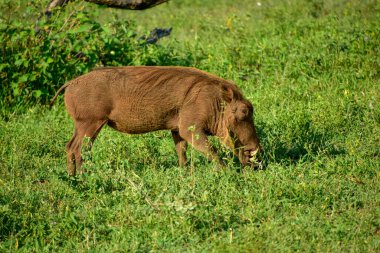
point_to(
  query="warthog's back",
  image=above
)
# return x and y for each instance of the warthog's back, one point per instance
(136, 99)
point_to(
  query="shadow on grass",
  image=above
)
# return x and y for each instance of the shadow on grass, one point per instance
(289, 146)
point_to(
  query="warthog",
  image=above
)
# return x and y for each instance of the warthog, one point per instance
(191, 103)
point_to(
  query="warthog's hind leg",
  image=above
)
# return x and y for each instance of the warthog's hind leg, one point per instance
(180, 147)
(70, 155)
(74, 146)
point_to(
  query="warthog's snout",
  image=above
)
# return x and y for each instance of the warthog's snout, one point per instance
(252, 158)
(255, 159)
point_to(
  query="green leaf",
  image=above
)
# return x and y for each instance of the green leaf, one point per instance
(82, 28)
(37, 93)
(19, 62)
(106, 29)
(23, 78)
(15, 89)
(3, 66)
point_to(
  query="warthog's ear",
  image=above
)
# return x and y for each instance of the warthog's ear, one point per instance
(227, 93)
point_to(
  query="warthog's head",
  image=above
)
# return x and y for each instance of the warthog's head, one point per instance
(241, 130)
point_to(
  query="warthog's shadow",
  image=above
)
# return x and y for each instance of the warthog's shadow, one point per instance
(304, 144)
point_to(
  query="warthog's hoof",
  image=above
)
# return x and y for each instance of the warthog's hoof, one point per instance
(71, 170)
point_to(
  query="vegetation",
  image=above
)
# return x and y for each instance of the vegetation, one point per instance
(312, 71)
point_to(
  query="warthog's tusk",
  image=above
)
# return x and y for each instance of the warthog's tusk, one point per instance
(252, 155)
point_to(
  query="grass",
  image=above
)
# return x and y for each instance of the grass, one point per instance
(311, 69)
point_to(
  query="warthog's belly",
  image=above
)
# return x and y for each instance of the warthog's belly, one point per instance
(143, 119)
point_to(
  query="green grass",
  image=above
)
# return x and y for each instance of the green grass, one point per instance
(311, 69)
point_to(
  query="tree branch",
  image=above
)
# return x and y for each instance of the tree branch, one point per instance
(121, 4)
(129, 4)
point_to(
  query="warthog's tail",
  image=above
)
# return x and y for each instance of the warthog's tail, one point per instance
(59, 91)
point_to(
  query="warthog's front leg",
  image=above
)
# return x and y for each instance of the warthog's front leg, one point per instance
(198, 139)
